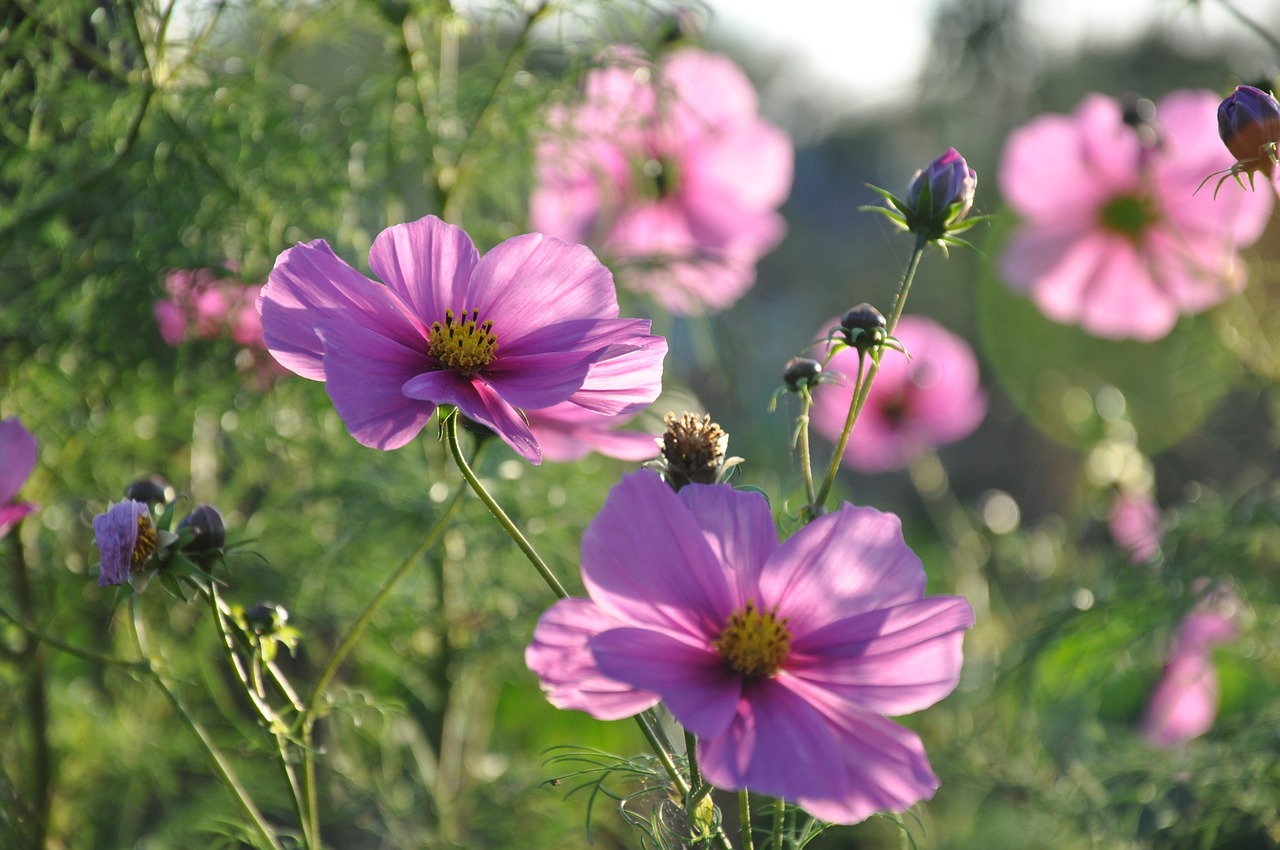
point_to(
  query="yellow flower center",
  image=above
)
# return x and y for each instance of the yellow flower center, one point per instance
(464, 344)
(754, 642)
(145, 545)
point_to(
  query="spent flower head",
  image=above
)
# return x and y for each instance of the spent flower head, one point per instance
(694, 451)
(782, 658)
(130, 544)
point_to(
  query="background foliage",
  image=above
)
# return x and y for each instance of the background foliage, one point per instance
(135, 140)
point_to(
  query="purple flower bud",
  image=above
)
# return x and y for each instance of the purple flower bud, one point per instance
(802, 373)
(209, 532)
(863, 327)
(1249, 124)
(940, 195)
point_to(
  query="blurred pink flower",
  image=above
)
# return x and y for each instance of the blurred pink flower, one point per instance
(1114, 235)
(208, 307)
(567, 432)
(1136, 525)
(1185, 702)
(782, 658)
(529, 325)
(17, 459)
(671, 173)
(915, 404)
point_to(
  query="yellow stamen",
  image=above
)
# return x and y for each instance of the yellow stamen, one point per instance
(145, 545)
(464, 344)
(755, 643)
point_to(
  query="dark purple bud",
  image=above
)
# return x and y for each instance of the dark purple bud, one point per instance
(862, 327)
(801, 373)
(266, 618)
(150, 491)
(1249, 124)
(209, 533)
(941, 194)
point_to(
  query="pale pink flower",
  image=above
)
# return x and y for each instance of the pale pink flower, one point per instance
(1185, 702)
(915, 404)
(671, 173)
(1136, 525)
(783, 658)
(17, 459)
(529, 325)
(1114, 235)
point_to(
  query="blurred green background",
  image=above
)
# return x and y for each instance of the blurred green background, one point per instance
(132, 144)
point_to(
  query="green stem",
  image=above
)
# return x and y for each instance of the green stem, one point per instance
(1251, 24)
(37, 709)
(219, 760)
(691, 753)
(806, 457)
(779, 816)
(467, 156)
(863, 386)
(512, 530)
(744, 809)
(309, 715)
(69, 649)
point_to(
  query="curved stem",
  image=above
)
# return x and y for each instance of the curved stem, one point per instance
(863, 386)
(219, 760)
(1253, 25)
(307, 716)
(512, 530)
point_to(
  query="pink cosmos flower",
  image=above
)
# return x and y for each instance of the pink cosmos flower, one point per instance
(782, 658)
(17, 459)
(522, 327)
(208, 307)
(931, 399)
(1115, 236)
(1185, 702)
(567, 432)
(671, 173)
(1136, 525)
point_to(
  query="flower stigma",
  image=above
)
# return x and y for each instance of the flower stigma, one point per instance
(754, 642)
(465, 344)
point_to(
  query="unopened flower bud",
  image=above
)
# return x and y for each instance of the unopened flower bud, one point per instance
(940, 195)
(265, 618)
(209, 532)
(1249, 124)
(862, 327)
(150, 491)
(801, 373)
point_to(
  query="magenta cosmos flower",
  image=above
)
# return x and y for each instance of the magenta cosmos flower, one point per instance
(1185, 702)
(1115, 236)
(17, 459)
(671, 173)
(782, 658)
(523, 327)
(915, 404)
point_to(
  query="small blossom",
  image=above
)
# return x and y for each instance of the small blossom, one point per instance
(1249, 125)
(783, 658)
(670, 173)
(1114, 236)
(531, 324)
(927, 399)
(1185, 702)
(17, 460)
(127, 538)
(1136, 525)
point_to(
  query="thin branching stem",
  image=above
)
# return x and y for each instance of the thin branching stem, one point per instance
(863, 386)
